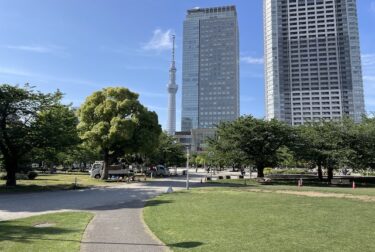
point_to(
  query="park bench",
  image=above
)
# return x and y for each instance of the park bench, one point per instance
(340, 181)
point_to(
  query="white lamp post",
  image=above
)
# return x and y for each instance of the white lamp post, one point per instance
(187, 167)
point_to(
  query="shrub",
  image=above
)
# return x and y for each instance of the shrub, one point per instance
(3, 176)
(32, 174)
(267, 171)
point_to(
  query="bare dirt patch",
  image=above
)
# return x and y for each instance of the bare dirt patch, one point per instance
(364, 198)
(45, 225)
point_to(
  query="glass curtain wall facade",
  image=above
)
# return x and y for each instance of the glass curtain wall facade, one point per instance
(312, 60)
(210, 85)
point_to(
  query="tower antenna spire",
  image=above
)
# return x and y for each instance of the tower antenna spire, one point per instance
(172, 90)
(173, 39)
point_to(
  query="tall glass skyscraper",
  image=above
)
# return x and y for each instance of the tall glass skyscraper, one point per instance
(312, 60)
(210, 71)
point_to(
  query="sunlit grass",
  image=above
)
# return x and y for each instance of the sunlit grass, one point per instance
(232, 219)
(62, 233)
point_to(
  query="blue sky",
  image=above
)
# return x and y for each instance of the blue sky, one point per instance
(82, 46)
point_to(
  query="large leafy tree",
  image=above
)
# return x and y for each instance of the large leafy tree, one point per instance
(326, 144)
(29, 120)
(310, 146)
(256, 141)
(114, 121)
(359, 140)
(222, 151)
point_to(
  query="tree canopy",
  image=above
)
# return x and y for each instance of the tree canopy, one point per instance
(114, 121)
(252, 140)
(32, 120)
(169, 152)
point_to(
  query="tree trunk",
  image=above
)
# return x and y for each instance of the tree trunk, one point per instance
(330, 173)
(320, 172)
(260, 171)
(11, 168)
(104, 175)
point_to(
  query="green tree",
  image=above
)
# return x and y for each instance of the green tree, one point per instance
(114, 121)
(254, 140)
(30, 119)
(57, 133)
(169, 152)
(201, 159)
(80, 154)
(310, 146)
(323, 143)
(359, 140)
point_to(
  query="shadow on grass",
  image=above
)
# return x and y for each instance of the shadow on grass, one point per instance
(24, 234)
(44, 179)
(234, 183)
(156, 202)
(38, 188)
(189, 244)
(311, 182)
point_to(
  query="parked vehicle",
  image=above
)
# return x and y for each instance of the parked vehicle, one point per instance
(159, 170)
(118, 170)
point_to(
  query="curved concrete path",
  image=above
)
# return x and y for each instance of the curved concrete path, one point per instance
(117, 225)
(120, 230)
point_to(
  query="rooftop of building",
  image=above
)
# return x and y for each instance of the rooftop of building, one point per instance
(228, 8)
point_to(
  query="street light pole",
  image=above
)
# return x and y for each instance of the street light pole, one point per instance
(187, 167)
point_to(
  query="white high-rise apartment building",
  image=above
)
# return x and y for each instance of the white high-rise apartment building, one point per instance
(312, 60)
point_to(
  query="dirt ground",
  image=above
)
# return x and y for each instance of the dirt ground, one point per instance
(364, 198)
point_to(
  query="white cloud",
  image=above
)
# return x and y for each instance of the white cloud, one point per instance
(368, 60)
(252, 60)
(35, 48)
(33, 77)
(161, 40)
(38, 49)
(13, 71)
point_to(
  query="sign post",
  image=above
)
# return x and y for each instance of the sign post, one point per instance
(187, 167)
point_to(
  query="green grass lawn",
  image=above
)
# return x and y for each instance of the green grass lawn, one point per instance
(232, 219)
(60, 181)
(65, 234)
(322, 188)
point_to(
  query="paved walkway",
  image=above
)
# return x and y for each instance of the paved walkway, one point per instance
(120, 230)
(117, 225)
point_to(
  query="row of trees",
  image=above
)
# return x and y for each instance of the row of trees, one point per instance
(111, 123)
(326, 144)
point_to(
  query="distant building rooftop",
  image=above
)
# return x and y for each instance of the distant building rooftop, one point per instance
(212, 9)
